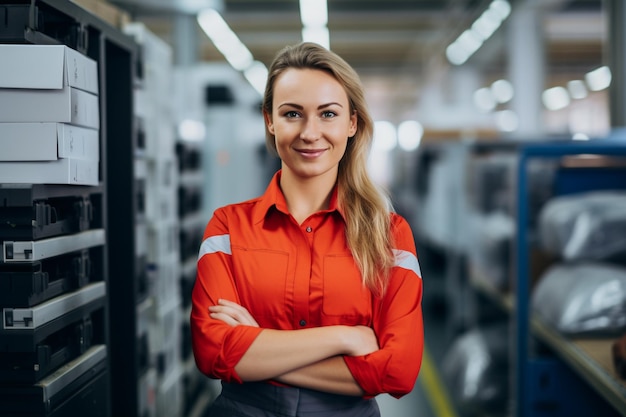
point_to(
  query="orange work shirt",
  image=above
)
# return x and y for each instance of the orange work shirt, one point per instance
(293, 276)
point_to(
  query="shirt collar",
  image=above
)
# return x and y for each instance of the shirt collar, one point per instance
(273, 198)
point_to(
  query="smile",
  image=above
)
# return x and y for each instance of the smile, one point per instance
(310, 153)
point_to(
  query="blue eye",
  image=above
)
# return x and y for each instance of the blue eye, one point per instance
(291, 114)
(328, 114)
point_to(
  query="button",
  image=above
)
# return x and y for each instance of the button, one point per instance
(302, 323)
(309, 229)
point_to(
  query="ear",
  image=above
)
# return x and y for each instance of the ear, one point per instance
(353, 124)
(268, 122)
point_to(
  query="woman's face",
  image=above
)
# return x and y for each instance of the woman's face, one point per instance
(311, 122)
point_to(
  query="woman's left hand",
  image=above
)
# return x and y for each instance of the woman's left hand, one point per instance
(232, 314)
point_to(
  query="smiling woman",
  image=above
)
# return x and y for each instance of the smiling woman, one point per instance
(308, 298)
(311, 121)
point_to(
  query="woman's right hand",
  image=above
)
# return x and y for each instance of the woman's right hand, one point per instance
(361, 341)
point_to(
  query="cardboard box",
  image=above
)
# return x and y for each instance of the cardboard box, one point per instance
(61, 171)
(47, 142)
(49, 67)
(68, 105)
(106, 11)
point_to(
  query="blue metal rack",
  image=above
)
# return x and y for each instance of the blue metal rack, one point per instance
(546, 385)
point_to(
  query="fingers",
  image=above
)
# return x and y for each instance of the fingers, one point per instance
(232, 314)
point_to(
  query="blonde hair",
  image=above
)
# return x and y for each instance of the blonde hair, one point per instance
(365, 206)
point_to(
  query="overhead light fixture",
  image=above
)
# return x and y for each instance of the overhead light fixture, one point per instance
(236, 53)
(224, 39)
(555, 98)
(385, 136)
(314, 17)
(459, 51)
(410, 133)
(256, 74)
(577, 89)
(314, 13)
(502, 91)
(598, 79)
(319, 35)
(484, 99)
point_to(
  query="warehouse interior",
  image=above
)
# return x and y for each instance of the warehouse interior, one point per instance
(499, 136)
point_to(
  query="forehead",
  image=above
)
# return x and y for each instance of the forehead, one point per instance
(308, 84)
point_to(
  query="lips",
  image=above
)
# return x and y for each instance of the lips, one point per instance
(310, 153)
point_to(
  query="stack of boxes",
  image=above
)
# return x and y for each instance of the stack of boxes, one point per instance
(156, 171)
(192, 223)
(50, 117)
(52, 285)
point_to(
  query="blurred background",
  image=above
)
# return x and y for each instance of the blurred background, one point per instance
(499, 135)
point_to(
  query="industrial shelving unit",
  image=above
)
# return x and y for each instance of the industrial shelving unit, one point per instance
(553, 374)
(115, 199)
(579, 378)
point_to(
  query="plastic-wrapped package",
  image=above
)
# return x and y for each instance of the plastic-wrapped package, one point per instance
(490, 251)
(586, 226)
(476, 370)
(583, 298)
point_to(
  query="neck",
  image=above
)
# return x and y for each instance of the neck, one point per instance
(306, 196)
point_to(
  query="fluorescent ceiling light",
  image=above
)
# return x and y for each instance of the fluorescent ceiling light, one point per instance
(482, 29)
(385, 136)
(319, 35)
(598, 79)
(555, 98)
(256, 74)
(235, 52)
(577, 89)
(500, 8)
(456, 54)
(484, 100)
(410, 135)
(314, 13)
(484, 26)
(224, 39)
(502, 91)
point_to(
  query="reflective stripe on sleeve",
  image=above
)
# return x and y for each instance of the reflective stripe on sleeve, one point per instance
(407, 260)
(215, 244)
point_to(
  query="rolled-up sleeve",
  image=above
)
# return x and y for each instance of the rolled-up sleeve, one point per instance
(398, 324)
(217, 347)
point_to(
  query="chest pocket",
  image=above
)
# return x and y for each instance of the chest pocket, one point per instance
(344, 293)
(261, 276)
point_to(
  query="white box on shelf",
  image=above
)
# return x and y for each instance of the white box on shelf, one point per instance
(62, 171)
(163, 240)
(54, 67)
(164, 283)
(165, 337)
(68, 105)
(47, 142)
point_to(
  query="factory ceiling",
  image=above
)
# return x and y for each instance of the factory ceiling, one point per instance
(397, 46)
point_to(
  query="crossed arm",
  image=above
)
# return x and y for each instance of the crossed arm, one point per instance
(308, 358)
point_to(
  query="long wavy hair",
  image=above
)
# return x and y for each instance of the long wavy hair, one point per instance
(365, 206)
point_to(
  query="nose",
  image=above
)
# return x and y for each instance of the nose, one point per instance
(311, 130)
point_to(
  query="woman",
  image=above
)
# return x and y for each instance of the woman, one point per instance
(308, 298)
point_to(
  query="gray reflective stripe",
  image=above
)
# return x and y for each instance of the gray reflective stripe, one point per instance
(407, 260)
(214, 244)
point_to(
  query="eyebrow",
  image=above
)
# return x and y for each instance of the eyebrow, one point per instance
(321, 106)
